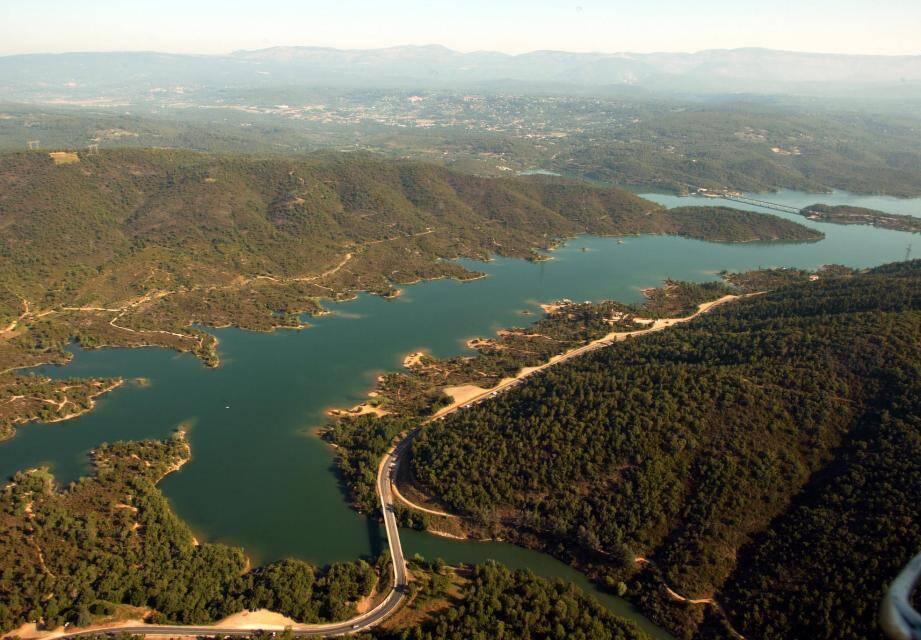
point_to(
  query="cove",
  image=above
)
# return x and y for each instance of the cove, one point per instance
(259, 476)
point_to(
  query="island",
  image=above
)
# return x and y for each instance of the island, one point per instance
(846, 214)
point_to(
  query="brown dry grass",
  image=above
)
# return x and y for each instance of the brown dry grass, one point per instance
(64, 157)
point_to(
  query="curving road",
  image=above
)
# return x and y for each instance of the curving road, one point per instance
(354, 625)
(605, 341)
(386, 473)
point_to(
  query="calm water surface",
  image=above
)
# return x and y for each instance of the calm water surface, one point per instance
(259, 476)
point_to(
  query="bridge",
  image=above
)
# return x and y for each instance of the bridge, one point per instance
(897, 617)
(764, 204)
(396, 596)
(742, 199)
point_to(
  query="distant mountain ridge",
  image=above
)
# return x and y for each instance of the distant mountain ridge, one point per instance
(626, 67)
(733, 70)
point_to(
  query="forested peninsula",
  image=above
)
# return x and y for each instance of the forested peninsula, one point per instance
(110, 546)
(749, 472)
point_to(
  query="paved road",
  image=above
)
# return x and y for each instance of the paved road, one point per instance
(356, 624)
(601, 343)
(385, 475)
(606, 341)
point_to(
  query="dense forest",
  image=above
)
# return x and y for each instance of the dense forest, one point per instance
(494, 602)
(75, 554)
(418, 390)
(767, 454)
(362, 442)
(490, 601)
(401, 398)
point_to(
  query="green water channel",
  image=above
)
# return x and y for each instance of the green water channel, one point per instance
(260, 478)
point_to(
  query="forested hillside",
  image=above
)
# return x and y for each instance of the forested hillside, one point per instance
(132, 247)
(116, 225)
(77, 554)
(767, 454)
(423, 387)
(494, 602)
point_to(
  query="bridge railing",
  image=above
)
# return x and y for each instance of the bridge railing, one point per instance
(898, 618)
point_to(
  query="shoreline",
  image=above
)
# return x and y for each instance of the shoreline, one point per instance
(21, 421)
(413, 359)
(349, 295)
(179, 434)
(92, 402)
(361, 409)
(462, 391)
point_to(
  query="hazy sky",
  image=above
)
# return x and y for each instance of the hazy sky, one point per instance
(219, 26)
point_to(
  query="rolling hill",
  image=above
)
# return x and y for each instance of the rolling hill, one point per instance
(134, 247)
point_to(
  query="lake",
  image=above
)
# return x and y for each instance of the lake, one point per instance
(260, 477)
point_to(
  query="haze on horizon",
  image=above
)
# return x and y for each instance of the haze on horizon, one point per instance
(517, 26)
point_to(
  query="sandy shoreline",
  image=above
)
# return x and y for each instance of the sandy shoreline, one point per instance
(180, 434)
(414, 359)
(445, 534)
(91, 405)
(358, 410)
(258, 619)
(552, 307)
(481, 343)
(464, 394)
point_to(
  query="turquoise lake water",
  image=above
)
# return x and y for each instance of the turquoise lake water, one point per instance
(259, 476)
